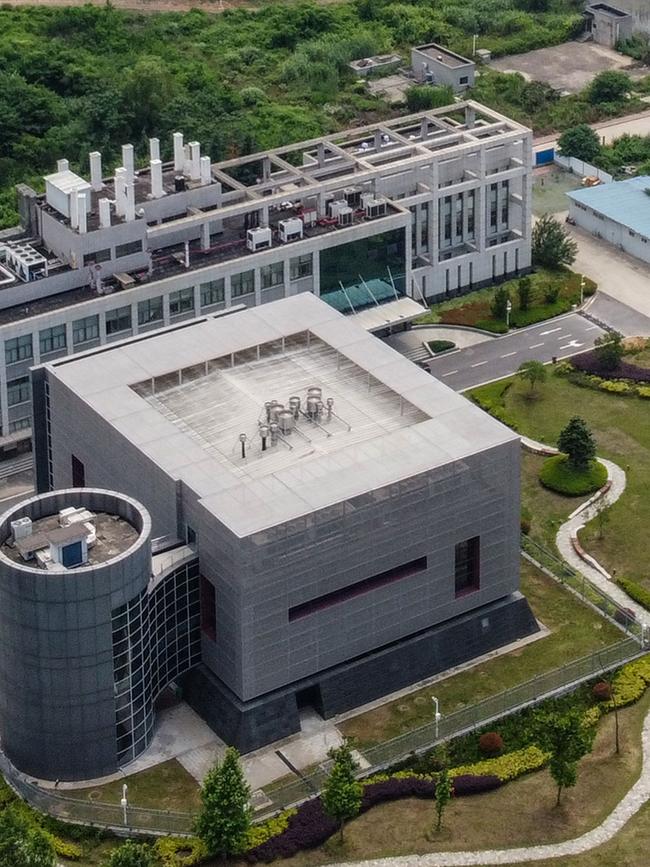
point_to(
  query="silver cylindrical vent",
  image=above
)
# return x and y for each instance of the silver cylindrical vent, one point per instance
(315, 391)
(273, 427)
(294, 406)
(312, 407)
(276, 409)
(286, 421)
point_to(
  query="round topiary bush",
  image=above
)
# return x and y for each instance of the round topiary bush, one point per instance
(558, 475)
(601, 691)
(490, 743)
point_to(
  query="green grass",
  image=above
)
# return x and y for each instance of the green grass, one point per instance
(438, 346)
(558, 475)
(575, 631)
(543, 509)
(621, 427)
(474, 310)
(167, 786)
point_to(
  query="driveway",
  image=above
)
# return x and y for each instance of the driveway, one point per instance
(568, 67)
(623, 277)
(485, 362)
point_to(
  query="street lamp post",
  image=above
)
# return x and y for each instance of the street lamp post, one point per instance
(508, 309)
(438, 715)
(124, 803)
(582, 290)
(474, 45)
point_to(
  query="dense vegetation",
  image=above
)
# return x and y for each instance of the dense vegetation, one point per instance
(79, 79)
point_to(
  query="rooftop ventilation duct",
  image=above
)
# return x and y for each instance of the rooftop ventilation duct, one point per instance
(96, 170)
(154, 149)
(156, 175)
(179, 152)
(128, 161)
(104, 213)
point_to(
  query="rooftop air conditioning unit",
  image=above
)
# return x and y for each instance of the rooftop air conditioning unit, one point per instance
(375, 208)
(309, 217)
(258, 239)
(334, 208)
(21, 528)
(290, 230)
(352, 197)
(345, 216)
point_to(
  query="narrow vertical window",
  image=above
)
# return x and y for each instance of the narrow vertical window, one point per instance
(467, 567)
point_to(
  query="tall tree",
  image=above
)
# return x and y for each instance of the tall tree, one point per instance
(341, 797)
(533, 372)
(524, 289)
(580, 141)
(577, 443)
(552, 246)
(225, 815)
(567, 738)
(609, 349)
(499, 305)
(23, 844)
(444, 793)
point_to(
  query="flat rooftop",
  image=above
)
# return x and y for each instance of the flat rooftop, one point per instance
(625, 202)
(114, 536)
(183, 396)
(443, 55)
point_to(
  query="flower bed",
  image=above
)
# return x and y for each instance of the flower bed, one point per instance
(588, 362)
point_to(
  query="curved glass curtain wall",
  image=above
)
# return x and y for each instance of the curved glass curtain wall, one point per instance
(364, 273)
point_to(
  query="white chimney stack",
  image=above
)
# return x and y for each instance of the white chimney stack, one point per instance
(128, 161)
(62, 165)
(129, 207)
(82, 213)
(120, 191)
(96, 170)
(104, 213)
(154, 149)
(179, 152)
(195, 160)
(206, 171)
(155, 172)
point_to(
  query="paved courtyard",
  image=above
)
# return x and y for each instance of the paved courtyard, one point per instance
(568, 67)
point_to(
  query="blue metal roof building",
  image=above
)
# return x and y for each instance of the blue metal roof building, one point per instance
(624, 202)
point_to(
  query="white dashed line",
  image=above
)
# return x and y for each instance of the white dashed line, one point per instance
(552, 331)
(592, 328)
(563, 336)
(536, 345)
(451, 373)
(508, 354)
(479, 363)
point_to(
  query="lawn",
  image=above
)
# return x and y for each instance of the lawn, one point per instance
(474, 309)
(167, 786)
(520, 813)
(621, 426)
(575, 631)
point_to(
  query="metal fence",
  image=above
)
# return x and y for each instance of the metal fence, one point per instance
(378, 757)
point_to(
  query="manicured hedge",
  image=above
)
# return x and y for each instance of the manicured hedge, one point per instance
(588, 362)
(635, 591)
(559, 476)
(437, 346)
(310, 827)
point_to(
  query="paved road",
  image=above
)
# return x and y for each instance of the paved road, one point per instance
(485, 362)
(617, 315)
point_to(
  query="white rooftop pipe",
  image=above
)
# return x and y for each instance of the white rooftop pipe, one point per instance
(96, 170)
(195, 160)
(120, 191)
(156, 175)
(104, 213)
(179, 152)
(206, 171)
(128, 161)
(82, 212)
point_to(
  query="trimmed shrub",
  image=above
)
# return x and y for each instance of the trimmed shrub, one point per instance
(635, 591)
(496, 327)
(490, 744)
(562, 368)
(601, 691)
(630, 682)
(509, 766)
(475, 784)
(559, 476)
(64, 848)
(615, 386)
(589, 362)
(644, 392)
(181, 851)
(437, 346)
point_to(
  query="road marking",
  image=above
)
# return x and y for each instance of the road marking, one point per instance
(563, 336)
(508, 354)
(536, 345)
(479, 363)
(573, 345)
(451, 373)
(552, 331)
(592, 328)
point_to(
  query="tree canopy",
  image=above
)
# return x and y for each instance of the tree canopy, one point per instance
(533, 372)
(580, 141)
(23, 844)
(577, 443)
(566, 737)
(552, 246)
(342, 793)
(225, 815)
(611, 85)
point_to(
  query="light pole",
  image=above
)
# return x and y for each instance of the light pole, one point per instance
(582, 290)
(508, 309)
(124, 803)
(474, 38)
(438, 715)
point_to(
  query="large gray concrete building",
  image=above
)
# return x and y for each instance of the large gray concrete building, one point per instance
(410, 209)
(353, 521)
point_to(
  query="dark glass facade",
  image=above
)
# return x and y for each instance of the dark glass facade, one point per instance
(156, 637)
(364, 272)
